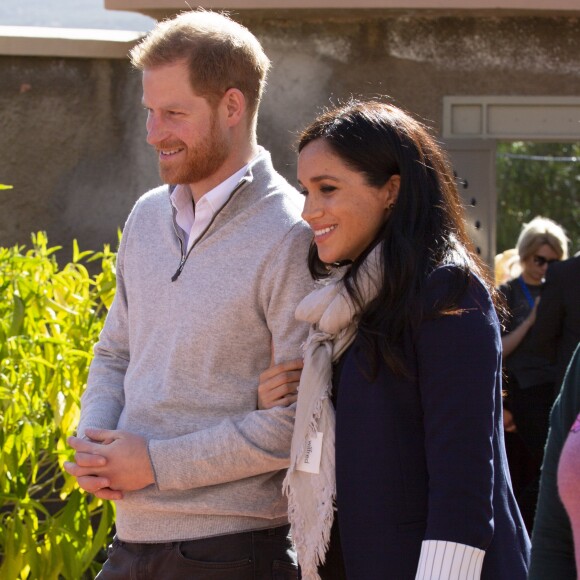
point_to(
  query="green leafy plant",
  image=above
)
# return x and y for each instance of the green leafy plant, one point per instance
(537, 179)
(50, 318)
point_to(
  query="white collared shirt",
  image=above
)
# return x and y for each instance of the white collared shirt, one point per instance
(193, 223)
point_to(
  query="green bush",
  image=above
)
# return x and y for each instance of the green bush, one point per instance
(537, 179)
(50, 318)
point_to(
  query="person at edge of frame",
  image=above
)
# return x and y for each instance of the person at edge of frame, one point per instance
(556, 534)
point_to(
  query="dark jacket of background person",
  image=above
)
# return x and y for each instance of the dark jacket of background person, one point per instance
(422, 458)
(556, 331)
(525, 368)
(552, 541)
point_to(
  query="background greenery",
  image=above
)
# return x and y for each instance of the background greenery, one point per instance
(49, 319)
(537, 179)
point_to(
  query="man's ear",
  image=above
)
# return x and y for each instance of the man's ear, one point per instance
(234, 106)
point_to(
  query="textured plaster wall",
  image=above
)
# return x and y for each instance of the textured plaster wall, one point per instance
(72, 143)
(415, 60)
(72, 137)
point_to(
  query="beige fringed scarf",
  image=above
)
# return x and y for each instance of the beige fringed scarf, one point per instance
(333, 319)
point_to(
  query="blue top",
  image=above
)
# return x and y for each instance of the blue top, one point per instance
(423, 458)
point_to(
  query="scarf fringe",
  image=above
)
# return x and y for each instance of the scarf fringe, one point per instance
(312, 554)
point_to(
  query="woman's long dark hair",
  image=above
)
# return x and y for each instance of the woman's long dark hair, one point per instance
(424, 230)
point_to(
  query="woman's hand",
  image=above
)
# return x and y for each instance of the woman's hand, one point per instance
(279, 384)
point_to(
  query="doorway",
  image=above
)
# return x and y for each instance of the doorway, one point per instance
(484, 135)
(537, 178)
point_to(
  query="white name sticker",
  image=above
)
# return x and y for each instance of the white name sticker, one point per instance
(310, 460)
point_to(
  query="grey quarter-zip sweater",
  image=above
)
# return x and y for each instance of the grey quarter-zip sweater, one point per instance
(179, 357)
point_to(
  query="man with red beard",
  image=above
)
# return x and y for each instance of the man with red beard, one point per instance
(209, 272)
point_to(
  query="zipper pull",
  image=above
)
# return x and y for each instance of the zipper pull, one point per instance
(178, 272)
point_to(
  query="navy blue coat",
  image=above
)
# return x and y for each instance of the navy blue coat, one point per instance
(423, 458)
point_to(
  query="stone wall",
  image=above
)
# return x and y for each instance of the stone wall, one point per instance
(414, 59)
(72, 135)
(72, 142)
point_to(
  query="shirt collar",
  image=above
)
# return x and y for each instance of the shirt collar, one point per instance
(181, 196)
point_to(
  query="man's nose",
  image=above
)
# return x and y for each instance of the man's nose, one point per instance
(155, 131)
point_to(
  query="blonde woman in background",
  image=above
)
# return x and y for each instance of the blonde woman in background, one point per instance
(529, 378)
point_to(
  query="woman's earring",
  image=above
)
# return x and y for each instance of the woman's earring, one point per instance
(391, 206)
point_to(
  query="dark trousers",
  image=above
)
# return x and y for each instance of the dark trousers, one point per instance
(531, 410)
(259, 555)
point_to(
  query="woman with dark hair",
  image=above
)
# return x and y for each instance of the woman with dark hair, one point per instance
(398, 466)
